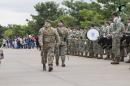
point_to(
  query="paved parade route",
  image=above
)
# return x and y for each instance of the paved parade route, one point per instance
(23, 68)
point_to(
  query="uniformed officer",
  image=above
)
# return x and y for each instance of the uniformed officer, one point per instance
(116, 35)
(48, 38)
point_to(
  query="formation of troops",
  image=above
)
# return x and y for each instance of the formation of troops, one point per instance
(112, 44)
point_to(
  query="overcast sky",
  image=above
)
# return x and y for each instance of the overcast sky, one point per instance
(17, 11)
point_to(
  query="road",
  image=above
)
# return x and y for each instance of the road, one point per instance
(23, 68)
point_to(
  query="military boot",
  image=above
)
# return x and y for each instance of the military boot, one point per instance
(122, 59)
(86, 54)
(44, 67)
(63, 65)
(112, 57)
(96, 56)
(57, 63)
(50, 68)
(91, 55)
(116, 61)
(82, 54)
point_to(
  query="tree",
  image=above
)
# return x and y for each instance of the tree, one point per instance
(15, 30)
(110, 6)
(90, 17)
(1, 31)
(76, 6)
(46, 11)
(68, 20)
(8, 33)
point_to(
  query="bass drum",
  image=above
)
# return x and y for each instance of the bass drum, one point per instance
(93, 34)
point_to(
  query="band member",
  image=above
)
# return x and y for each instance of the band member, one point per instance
(108, 36)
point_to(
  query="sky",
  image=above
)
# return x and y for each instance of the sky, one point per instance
(17, 11)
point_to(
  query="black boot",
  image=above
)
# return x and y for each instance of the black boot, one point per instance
(50, 68)
(57, 63)
(44, 67)
(114, 62)
(63, 65)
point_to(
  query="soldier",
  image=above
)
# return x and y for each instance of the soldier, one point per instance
(123, 42)
(128, 48)
(63, 33)
(1, 55)
(117, 32)
(48, 38)
(111, 26)
(97, 48)
(90, 43)
(108, 35)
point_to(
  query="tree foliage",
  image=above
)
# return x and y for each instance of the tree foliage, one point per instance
(74, 13)
(46, 11)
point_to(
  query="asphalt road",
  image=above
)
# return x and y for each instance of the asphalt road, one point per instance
(24, 68)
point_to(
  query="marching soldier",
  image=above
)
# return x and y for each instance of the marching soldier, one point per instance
(117, 32)
(63, 33)
(48, 38)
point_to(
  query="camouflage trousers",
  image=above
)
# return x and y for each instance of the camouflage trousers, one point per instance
(60, 52)
(47, 54)
(97, 49)
(90, 50)
(116, 47)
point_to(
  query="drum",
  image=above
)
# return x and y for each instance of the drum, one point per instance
(93, 34)
(105, 42)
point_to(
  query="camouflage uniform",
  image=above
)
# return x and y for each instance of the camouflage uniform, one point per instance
(63, 33)
(107, 34)
(97, 48)
(122, 47)
(116, 35)
(86, 47)
(128, 47)
(48, 38)
(90, 46)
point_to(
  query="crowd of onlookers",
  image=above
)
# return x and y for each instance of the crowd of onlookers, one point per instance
(27, 42)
